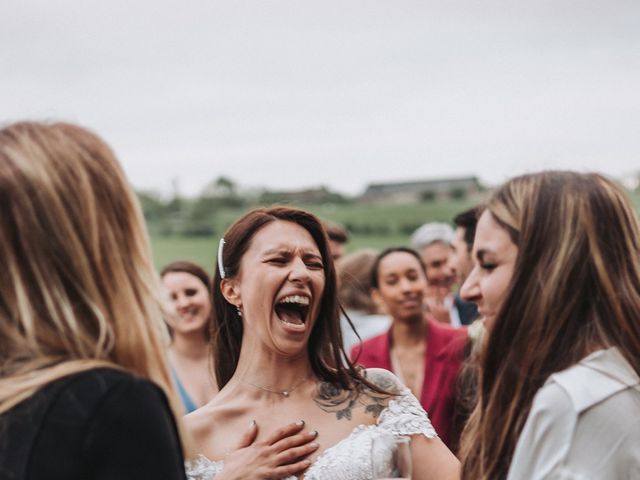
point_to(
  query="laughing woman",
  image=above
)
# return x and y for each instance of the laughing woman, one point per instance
(278, 358)
(557, 279)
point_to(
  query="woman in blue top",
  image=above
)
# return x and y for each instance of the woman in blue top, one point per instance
(188, 288)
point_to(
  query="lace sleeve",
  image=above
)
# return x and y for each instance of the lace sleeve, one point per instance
(201, 468)
(405, 416)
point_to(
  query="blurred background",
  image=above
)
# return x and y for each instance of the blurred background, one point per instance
(378, 115)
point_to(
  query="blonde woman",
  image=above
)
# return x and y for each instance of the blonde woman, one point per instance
(557, 280)
(84, 387)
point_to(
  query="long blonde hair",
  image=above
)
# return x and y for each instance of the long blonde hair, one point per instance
(575, 288)
(77, 286)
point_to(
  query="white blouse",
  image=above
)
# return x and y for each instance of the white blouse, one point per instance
(584, 424)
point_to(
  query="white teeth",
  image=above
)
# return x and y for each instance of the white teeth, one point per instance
(299, 299)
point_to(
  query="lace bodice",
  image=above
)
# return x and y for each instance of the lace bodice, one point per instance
(349, 459)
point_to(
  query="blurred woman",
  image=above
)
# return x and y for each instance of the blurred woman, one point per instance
(363, 319)
(188, 287)
(557, 280)
(426, 356)
(84, 388)
(279, 358)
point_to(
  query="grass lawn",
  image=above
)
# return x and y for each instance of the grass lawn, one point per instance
(387, 225)
(203, 250)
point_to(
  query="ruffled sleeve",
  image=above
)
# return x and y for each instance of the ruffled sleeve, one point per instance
(405, 416)
(201, 468)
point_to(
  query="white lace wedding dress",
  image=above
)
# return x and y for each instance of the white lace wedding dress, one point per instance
(351, 458)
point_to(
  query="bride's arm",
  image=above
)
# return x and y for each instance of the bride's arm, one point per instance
(431, 457)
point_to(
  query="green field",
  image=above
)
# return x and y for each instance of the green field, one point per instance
(372, 226)
(203, 250)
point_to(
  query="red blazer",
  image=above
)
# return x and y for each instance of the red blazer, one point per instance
(444, 356)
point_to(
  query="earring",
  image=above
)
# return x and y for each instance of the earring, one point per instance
(239, 311)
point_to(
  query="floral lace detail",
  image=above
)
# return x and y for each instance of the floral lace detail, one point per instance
(405, 416)
(349, 459)
(201, 468)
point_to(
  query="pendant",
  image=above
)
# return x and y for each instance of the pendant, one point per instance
(285, 393)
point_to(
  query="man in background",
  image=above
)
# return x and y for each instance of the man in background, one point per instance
(462, 244)
(338, 238)
(434, 242)
(461, 260)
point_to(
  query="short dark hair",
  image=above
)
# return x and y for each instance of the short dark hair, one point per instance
(468, 220)
(375, 268)
(335, 232)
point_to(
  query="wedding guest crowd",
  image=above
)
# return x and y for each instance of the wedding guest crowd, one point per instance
(299, 361)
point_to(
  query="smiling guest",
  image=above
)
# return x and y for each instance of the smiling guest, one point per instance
(279, 358)
(426, 356)
(187, 286)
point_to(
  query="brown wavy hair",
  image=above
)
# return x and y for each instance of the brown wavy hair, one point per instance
(575, 288)
(329, 361)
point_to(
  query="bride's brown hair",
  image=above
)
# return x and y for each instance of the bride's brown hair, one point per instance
(575, 288)
(328, 360)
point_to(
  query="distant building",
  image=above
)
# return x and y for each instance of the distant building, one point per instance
(416, 191)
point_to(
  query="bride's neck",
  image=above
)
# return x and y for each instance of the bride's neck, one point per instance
(271, 370)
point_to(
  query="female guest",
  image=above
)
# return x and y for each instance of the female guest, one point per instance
(85, 392)
(426, 356)
(188, 287)
(363, 318)
(279, 358)
(84, 388)
(557, 279)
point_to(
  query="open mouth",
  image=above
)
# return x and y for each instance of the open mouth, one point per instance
(293, 310)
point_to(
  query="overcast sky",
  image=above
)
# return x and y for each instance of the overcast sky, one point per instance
(298, 93)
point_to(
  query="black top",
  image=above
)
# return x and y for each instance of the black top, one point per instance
(100, 424)
(467, 311)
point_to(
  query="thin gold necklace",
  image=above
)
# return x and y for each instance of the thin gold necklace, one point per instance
(284, 393)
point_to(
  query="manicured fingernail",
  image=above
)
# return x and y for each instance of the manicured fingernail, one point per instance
(252, 423)
(313, 434)
(300, 423)
(307, 461)
(314, 444)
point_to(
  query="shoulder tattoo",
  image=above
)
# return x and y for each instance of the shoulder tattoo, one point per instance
(331, 398)
(334, 399)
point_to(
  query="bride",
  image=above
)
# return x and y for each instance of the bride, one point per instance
(278, 359)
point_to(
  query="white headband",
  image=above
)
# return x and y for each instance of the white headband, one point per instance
(220, 264)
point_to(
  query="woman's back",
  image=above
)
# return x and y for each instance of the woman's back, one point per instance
(98, 424)
(79, 306)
